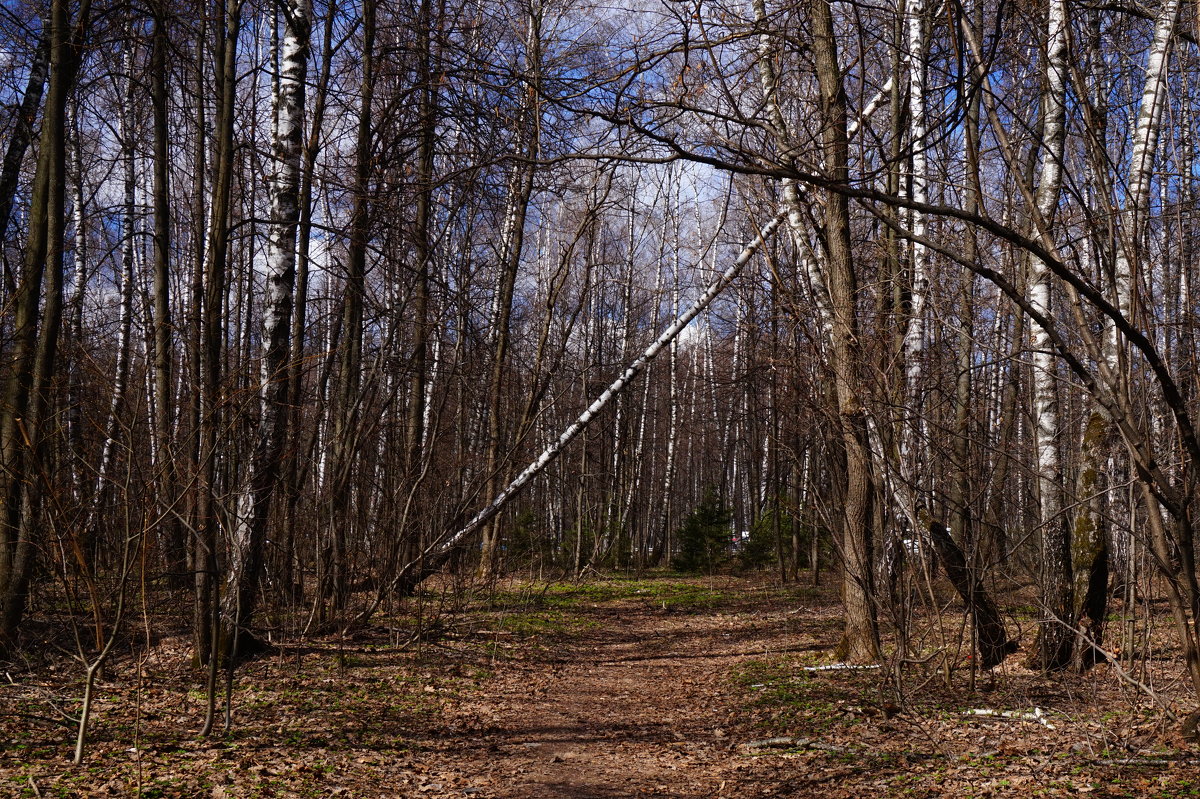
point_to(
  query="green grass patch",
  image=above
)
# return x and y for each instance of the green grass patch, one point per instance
(783, 697)
(543, 622)
(670, 593)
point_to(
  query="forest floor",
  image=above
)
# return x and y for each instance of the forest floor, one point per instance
(616, 687)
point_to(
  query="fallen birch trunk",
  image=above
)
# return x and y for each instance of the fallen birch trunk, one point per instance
(1038, 715)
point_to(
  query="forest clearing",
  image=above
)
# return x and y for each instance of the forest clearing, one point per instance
(609, 687)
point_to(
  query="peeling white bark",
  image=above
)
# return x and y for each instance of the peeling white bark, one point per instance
(913, 344)
(1054, 638)
(252, 506)
(873, 105)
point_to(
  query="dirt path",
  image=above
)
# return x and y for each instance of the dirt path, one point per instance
(648, 699)
(639, 704)
(613, 688)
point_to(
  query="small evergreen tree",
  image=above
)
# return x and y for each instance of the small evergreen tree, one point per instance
(704, 536)
(759, 549)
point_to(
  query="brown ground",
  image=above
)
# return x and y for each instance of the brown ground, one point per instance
(637, 705)
(615, 688)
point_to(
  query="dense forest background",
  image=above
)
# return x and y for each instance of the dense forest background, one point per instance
(292, 293)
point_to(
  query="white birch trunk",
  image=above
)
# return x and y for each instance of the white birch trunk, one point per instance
(1137, 195)
(128, 243)
(246, 557)
(1054, 636)
(913, 344)
(663, 543)
(875, 103)
(1089, 539)
(647, 531)
(75, 324)
(620, 467)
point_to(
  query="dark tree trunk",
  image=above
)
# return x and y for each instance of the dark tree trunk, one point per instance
(860, 642)
(22, 133)
(173, 543)
(37, 309)
(994, 645)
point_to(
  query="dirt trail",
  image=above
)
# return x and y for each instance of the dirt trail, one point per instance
(612, 688)
(639, 704)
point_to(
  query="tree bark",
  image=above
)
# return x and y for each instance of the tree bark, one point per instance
(860, 638)
(345, 409)
(434, 556)
(422, 244)
(23, 132)
(99, 494)
(1055, 636)
(212, 289)
(991, 637)
(173, 543)
(245, 565)
(37, 319)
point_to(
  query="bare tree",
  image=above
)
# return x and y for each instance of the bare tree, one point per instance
(265, 474)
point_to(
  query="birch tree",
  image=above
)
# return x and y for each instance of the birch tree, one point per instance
(254, 502)
(1054, 634)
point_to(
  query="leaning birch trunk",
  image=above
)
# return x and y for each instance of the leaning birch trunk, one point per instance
(1055, 638)
(436, 554)
(254, 502)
